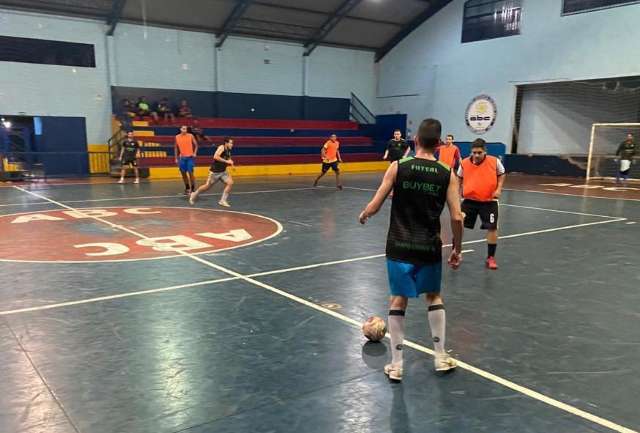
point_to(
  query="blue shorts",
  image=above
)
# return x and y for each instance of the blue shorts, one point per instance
(186, 164)
(407, 279)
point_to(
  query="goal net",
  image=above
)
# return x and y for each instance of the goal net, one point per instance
(603, 163)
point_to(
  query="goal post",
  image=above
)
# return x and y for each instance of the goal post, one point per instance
(602, 162)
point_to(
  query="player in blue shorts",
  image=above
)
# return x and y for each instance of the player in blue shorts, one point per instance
(421, 188)
(185, 151)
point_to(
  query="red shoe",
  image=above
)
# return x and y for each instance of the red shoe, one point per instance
(491, 263)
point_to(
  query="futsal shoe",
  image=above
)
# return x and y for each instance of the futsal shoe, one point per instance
(224, 203)
(444, 362)
(340, 187)
(491, 263)
(394, 372)
(121, 180)
(136, 181)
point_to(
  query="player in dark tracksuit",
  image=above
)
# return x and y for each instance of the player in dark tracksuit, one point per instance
(626, 151)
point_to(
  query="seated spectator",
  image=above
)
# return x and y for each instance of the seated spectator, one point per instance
(164, 110)
(126, 113)
(128, 110)
(198, 132)
(145, 110)
(184, 110)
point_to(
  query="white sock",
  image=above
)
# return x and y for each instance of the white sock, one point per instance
(396, 329)
(437, 323)
(225, 196)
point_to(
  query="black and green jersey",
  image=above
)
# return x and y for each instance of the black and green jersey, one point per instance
(218, 166)
(419, 196)
(396, 149)
(627, 150)
(130, 148)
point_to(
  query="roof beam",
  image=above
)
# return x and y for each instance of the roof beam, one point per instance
(433, 8)
(113, 18)
(316, 12)
(332, 21)
(238, 10)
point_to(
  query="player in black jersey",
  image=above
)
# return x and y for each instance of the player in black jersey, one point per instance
(129, 152)
(218, 172)
(626, 151)
(397, 147)
(421, 188)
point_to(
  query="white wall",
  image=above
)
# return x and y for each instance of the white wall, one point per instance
(336, 72)
(242, 67)
(445, 74)
(162, 58)
(152, 57)
(51, 90)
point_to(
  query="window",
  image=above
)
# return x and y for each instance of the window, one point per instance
(577, 6)
(488, 19)
(44, 52)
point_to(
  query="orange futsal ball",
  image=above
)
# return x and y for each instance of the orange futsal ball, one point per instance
(374, 328)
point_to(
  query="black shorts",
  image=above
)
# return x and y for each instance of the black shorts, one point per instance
(330, 165)
(129, 162)
(488, 211)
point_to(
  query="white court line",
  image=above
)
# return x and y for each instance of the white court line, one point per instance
(557, 211)
(24, 204)
(518, 388)
(273, 272)
(531, 393)
(335, 262)
(519, 190)
(570, 195)
(526, 207)
(266, 191)
(111, 297)
(150, 197)
(46, 184)
(355, 188)
(181, 286)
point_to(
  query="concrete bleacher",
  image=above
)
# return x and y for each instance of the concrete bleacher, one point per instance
(261, 146)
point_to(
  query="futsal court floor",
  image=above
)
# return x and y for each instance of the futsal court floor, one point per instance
(254, 325)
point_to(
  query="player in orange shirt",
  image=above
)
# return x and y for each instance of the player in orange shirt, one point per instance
(330, 159)
(185, 151)
(449, 153)
(482, 179)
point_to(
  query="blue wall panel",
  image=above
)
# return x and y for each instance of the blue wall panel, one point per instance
(543, 165)
(201, 103)
(241, 105)
(62, 147)
(317, 108)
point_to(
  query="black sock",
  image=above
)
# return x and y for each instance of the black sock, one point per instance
(491, 250)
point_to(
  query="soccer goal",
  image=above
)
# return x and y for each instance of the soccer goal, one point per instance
(603, 163)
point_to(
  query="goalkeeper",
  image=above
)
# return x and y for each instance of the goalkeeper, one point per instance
(626, 151)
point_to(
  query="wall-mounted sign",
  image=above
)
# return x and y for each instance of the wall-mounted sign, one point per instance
(481, 114)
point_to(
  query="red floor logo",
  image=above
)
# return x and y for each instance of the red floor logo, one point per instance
(127, 233)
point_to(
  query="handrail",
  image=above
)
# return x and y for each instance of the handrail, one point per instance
(114, 141)
(369, 112)
(368, 116)
(362, 118)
